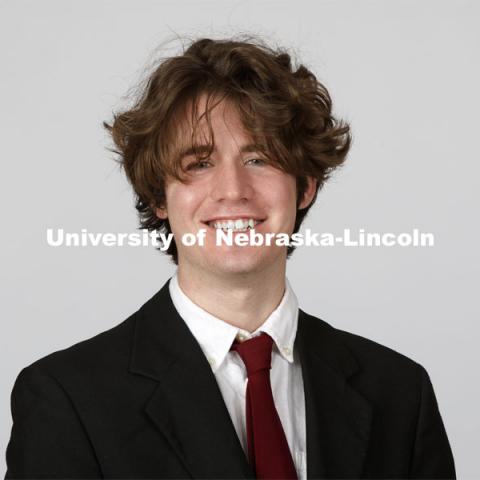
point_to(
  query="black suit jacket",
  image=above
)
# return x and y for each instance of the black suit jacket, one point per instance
(141, 401)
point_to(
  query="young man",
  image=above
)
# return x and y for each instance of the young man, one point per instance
(220, 374)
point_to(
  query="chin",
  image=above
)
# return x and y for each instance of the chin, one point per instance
(245, 261)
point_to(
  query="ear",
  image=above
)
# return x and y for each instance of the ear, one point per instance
(161, 212)
(309, 193)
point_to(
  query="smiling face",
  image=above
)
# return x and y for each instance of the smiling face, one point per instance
(235, 187)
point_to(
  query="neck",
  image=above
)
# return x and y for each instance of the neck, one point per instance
(244, 300)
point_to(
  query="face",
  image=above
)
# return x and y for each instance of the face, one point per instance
(234, 183)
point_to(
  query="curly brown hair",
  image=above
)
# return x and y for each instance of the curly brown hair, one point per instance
(286, 110)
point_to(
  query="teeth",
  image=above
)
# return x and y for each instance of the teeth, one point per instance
(239, 225)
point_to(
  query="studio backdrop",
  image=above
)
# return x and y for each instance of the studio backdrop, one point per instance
(404, 74)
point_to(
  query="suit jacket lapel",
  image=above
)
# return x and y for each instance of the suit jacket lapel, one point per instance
(338, 418)
(187, 406)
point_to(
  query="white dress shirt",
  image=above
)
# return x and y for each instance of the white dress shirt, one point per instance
(215, 338)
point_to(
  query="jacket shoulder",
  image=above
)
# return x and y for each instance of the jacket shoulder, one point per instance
(52, 401)
(372, 351)
(372, 359)
(104, 351)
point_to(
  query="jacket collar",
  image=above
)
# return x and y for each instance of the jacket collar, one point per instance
(188, 408)
(338, 417)
(187, 405)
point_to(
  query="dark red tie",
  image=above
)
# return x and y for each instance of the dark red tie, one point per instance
(268, 450)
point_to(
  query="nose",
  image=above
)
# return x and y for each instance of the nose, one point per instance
(232, 183)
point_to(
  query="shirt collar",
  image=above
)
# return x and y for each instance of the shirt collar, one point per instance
(215, 336)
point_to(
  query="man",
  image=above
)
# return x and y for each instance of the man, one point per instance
(220, 374)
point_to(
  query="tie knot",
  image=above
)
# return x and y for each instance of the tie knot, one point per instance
(256, 353)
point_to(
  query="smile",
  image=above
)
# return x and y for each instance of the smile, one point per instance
(238, 225)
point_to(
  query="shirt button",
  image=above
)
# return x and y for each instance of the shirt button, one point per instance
(241, 337)
(211, 361)
(287, 351)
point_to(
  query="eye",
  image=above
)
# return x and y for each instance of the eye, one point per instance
(198, 165)
(255, 161)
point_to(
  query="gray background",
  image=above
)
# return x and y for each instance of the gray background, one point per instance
(404, 73)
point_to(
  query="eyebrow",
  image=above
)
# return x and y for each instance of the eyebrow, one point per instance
(199, 149)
